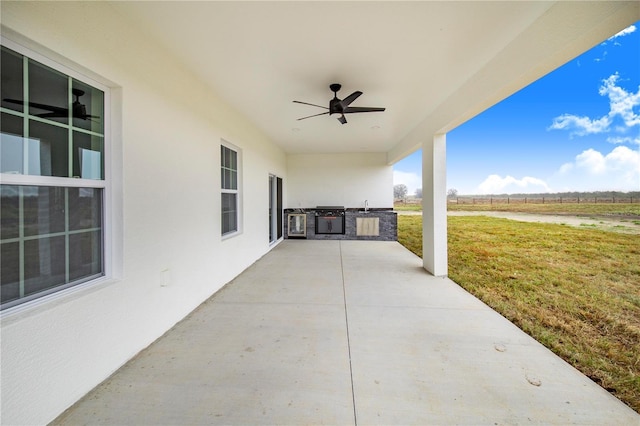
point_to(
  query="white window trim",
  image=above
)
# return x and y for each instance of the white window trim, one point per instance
(111, 184)
(238, 191)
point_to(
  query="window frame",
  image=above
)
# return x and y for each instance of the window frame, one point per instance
(237, 191)
(109, 239)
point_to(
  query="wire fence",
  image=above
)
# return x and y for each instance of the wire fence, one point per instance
(543, 200)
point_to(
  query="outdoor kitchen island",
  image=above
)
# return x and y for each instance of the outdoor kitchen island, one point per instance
(340, 223)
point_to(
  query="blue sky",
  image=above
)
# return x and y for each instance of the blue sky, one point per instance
(575, 129)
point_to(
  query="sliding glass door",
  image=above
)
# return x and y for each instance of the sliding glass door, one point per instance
(275, 208)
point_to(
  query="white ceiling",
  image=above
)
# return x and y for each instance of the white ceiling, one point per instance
(431, 64)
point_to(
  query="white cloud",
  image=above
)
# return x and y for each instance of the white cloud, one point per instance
(585, 125)
(623, 33)
(602, 58)
(495, 184)
(624, 140)
(621, 104)
(566, 168)
(613, 39)
(591, 161)
(410, 179)
(592, 170)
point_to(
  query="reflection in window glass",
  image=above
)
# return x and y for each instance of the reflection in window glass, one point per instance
(48, 150)
(85, 255)
(87, 155)
(85, 207)
(229, 213)
(9, 212)
(229, 168)
(48, 93)
(54, 232)
(11, 144)
(11, 85)
(44, 264)
(87, 107)
(229, 186)
(52, 97)
(43, 209)
(10, 271)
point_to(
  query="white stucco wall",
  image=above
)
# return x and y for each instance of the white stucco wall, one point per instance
(339, 180)
(166, 210)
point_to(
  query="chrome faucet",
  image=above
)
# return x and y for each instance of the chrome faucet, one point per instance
(366, 206)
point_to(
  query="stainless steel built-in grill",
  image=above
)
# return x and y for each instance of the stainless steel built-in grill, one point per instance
(330, 219)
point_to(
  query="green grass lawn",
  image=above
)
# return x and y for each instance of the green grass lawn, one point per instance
(575, 290)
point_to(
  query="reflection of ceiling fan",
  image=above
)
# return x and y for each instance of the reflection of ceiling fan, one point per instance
(78, 109)
(337, 106)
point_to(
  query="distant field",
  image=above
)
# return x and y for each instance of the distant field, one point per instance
(587, 209)
(575, 290)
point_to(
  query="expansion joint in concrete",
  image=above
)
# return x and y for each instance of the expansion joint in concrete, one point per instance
(346, 320)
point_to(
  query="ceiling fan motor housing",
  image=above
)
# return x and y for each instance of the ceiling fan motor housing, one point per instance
(335, 105)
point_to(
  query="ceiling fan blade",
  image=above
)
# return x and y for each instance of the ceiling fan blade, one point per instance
(51, 115)
(352, 97)
(352, 110)
(315, 115)
(342, 119)
(306, 103)
(13, 101)
(51, 108)
(55, 111)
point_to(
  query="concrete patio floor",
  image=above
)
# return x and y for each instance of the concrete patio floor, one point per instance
(346, 332)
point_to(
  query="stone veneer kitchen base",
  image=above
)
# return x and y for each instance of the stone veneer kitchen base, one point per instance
(388, 225)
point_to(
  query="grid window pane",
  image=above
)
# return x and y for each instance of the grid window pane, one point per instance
(9, 272)
(44, 264)
(48, 150)
(85, 255)
(234, 160)
(48, 93)
(9, 212)
(88, 151)
(229, 213)
(43, 210)
(225, 156)
(11, 144)
(234, 180)
(87, 107)
(85, 208)
(11, 85)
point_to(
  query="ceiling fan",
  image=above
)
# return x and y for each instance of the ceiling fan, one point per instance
(337, 106)
(78, 109)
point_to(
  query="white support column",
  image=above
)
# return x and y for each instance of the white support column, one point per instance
(434, 205)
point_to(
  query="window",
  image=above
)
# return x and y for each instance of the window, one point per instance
(52, 164)
(230, 182)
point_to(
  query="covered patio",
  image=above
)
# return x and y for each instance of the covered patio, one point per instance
(345, 332)
(202, 143)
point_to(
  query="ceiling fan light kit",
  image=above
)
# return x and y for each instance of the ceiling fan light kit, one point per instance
(340, 106)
